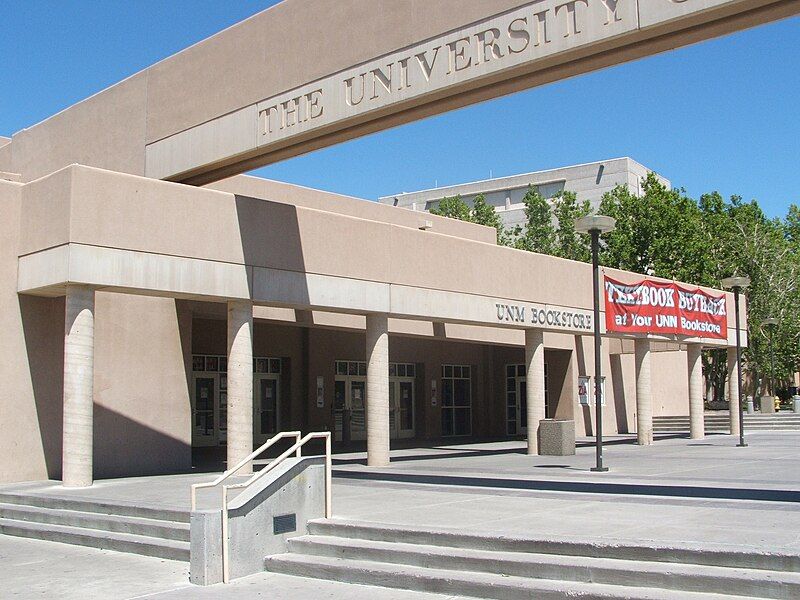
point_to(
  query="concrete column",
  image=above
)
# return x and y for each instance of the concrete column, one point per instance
(733, 391)
(534, 385)
(697, 427)
(240, 382)
(78, 434)
(644, 393)
(377, 390)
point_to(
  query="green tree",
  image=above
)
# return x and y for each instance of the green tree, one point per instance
(481, 213)
(571, 244)
(538, 234)
(658, 233)
(453, 207)
(484, 213)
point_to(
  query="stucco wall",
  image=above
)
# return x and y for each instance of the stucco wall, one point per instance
(5, 155)
(32, 333)
(670, 380)
(103, 209)
(296, 195)
(142, 409)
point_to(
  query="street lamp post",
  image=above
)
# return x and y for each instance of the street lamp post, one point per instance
(737, 284)
(595, 225)
(771, 323)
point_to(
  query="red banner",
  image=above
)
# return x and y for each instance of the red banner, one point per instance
(664, 308)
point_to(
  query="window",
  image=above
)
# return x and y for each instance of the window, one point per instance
(456, 400)
(219, 364)
(358, 368)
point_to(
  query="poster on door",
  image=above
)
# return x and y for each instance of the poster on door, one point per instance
(659, 307)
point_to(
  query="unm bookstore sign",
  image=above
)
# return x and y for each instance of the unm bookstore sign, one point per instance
(664, 308)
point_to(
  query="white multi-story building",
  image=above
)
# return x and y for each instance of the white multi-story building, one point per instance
(589, 181)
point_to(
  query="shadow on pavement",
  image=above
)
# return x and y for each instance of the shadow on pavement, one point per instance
(586, 487)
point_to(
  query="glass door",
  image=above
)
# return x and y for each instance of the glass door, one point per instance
(522, 406)
(401, 408)
(203, 411)
(265, 408)
(358, 404)
(349, 409)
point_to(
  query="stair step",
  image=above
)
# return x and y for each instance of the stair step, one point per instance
(107, 540)
(92, 520)
(632, 573)
(77, 504)
(673, 553)
(459, 583)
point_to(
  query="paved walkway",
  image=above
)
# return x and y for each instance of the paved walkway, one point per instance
(53, 571)
(677, 490)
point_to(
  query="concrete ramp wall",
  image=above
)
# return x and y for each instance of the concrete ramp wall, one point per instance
(261, 520)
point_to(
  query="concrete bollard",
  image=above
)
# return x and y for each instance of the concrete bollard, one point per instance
(796, 404)
(750, 407)
(556, 437)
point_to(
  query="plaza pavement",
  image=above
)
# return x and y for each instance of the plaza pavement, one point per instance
(675, 491)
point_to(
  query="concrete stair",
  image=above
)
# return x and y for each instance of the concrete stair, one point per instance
(481, 566)
(124, 528)
(720, 423)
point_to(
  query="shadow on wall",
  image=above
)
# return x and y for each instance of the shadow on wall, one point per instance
(559, 391)
(125, 448)
(270, 234)
(620, 401)
(580, 358)
(43, 329)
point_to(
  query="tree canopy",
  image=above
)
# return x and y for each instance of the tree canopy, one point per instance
(664, 233)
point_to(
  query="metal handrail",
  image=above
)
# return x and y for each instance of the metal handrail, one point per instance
(243, 462)
(296, 448)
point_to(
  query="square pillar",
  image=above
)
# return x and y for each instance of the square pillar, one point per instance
(240, 382)
(697, 427)
(534, 386)
(644, 393)
(733, 390)
(78, 434)
(377, 390)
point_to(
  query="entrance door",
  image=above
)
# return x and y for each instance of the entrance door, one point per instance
(358, 402)
(265, 408)
(401, 408)
(522, 406)
(204, 418)
(349, 409)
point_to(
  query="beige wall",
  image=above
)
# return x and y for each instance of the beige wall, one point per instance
(105, 130)
(32, 366)
(103, 209)
(5, 155)
(142, 408)
(276, 191)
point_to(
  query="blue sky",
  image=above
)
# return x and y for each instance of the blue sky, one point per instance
(723, 115)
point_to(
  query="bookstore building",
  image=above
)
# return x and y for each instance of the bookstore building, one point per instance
(156, 305)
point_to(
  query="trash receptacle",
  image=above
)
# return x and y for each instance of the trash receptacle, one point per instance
(767, 404)
(557, 437)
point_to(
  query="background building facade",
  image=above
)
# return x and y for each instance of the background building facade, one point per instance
(589, 182)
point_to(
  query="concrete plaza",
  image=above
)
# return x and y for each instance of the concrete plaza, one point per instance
(676, 493)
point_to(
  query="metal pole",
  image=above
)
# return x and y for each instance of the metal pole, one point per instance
(741, 443)
(597, 356)
(771, 362)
